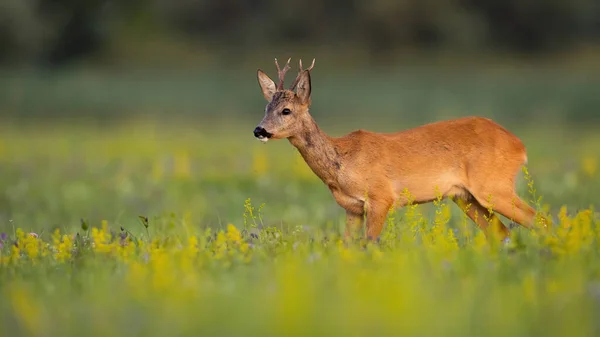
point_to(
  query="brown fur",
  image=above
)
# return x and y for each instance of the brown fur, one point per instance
(468, 160)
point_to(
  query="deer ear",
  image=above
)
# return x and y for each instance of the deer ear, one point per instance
(266, 85)
(303, 87)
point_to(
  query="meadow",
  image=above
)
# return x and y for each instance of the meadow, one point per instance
(151, 226)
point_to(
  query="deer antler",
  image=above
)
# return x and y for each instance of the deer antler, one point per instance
(281, 72)
(295, 83)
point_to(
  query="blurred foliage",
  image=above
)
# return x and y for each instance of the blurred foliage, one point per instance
(388, 100)
(54, 175)
(186, 230)
(136, 200)
(54, 32)
(425, 277)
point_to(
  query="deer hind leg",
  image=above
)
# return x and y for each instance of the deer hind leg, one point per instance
(476, 212)
(507, 202)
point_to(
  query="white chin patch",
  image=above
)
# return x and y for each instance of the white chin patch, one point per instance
(263, 139)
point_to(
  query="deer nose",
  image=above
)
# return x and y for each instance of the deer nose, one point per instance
(260, 132)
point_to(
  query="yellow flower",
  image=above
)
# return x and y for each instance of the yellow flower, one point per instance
(31, 246)
(233, 235)
(161, 263)
(25, 309)
(15, 253)
(56, 237)
(192, 247)
(137, 274)
(101, 239)
(63, 249)
(220, 245)
(20, 234)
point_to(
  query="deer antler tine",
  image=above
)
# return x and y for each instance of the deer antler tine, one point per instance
(281, 72)
(312, 65)
(295, 83)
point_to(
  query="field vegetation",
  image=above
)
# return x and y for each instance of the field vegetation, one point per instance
(187, 226)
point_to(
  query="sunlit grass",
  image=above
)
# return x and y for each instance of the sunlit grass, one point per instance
(154, 231)
(423, 277)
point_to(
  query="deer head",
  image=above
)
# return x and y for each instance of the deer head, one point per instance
(286, 109)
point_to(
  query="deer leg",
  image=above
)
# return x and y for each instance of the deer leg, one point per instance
(354, 211)
(510, 205)
(354, 222)
(476, 212)
(377, 210)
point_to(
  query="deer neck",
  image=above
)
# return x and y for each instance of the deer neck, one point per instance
(318, 151)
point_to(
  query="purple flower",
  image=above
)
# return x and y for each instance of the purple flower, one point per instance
(123, 237)
(3, 237)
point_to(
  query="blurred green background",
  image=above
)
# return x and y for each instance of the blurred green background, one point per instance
(409, 61)
(114, 109)
(97, 95)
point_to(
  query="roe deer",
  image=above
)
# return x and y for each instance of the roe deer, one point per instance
(467, 160)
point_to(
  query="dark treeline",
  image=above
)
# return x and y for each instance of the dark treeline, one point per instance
(56, 32)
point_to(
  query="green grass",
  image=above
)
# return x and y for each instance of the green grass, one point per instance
(54, 175)
(243, 239)
(284, 269)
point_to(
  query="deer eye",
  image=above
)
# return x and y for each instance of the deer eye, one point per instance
(286, 111)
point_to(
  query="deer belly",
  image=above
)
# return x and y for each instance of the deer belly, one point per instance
(425, 190)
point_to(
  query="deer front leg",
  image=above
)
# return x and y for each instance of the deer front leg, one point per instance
(355, 211)
(354, 222)
(377, 211)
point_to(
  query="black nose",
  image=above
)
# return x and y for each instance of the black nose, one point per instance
(260, 132)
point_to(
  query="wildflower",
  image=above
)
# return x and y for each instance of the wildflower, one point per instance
(123, 238)
(3, 237)
(63, 248)
(101, 238)
(15, 252)
(233, 234)
(192, 247)
(31, 246)
(220, 245)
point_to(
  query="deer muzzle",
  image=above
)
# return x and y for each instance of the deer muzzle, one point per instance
(261, 134)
